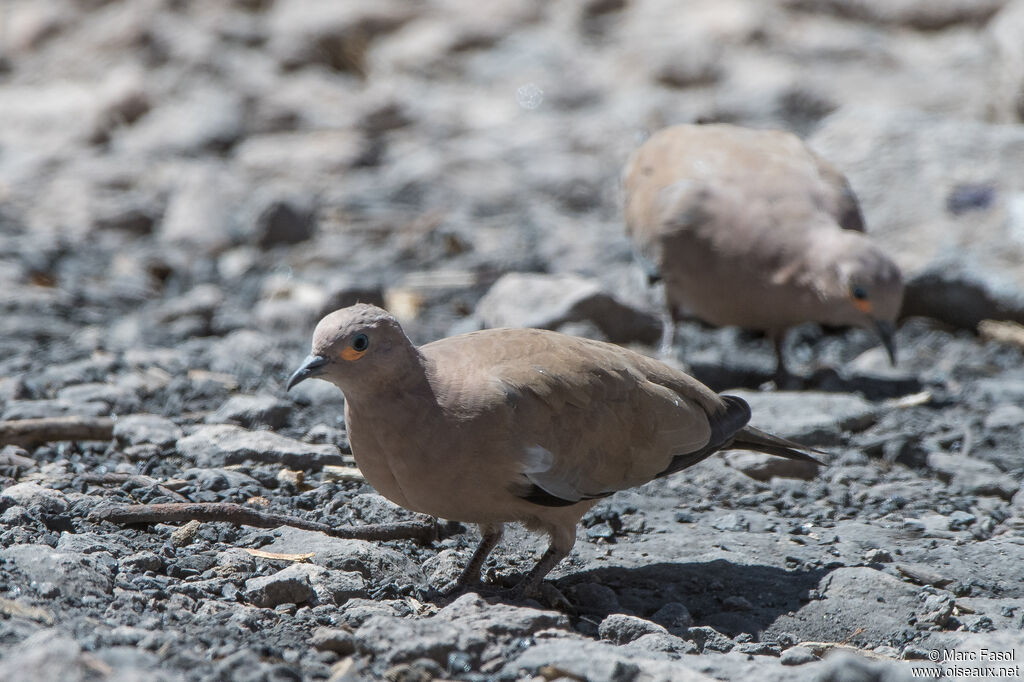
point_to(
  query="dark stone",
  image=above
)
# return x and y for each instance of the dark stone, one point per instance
(284, 221)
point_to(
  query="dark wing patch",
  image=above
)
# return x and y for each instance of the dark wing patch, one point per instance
(724, 426)
(538, 495)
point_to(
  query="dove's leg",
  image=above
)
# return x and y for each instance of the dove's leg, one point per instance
(562, 540)
(490, 536)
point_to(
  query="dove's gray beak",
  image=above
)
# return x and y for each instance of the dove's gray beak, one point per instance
(886, 332)
(311, 367)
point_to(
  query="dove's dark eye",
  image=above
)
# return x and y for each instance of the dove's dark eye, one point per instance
(859, 293)
(361, 342)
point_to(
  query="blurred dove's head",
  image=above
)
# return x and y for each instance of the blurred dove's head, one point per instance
(862, 286)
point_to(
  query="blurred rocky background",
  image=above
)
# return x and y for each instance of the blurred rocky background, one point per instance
(186, 186)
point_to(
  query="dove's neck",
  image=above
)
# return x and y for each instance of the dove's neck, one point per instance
(392, 431)
(392, 394)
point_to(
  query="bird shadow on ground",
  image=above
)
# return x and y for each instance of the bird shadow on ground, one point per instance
(733, 598)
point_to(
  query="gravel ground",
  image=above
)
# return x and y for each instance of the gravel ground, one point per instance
(187, 186)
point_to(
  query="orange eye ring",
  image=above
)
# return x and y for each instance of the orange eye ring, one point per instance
(350, 354)
(862, 305)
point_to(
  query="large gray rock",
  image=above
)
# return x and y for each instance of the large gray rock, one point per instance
(283, 221)
(371, 560)
(333, 639)
(357, 611)
(136, 429)
(662, 642)
(550, 301)
(252, 411)
(500, 619)
(935, 611)
(34, 496)
(444, 568)
(91, 543)
(972, 476)
(118, 398)
(797, 655)
(468, 628)
(307, 581)
(945, 198)
(52, 655)
(288, 586)
(708, 639)
(336, 587)
(853, 595)
(201, 211)
(235, 561)
(203, 119)
(221, 444)
(392, 641)
(373, 508)
(987, 562)
(140, 562)
(52, 572)
(619, 628)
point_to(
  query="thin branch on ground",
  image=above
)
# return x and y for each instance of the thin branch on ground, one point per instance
(423, 531)
(32, 432)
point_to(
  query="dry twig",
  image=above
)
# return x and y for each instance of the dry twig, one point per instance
(32, 432)
(821, 648)
(12, 607)
(279, 556)
(1002, 331)
(423, 531)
